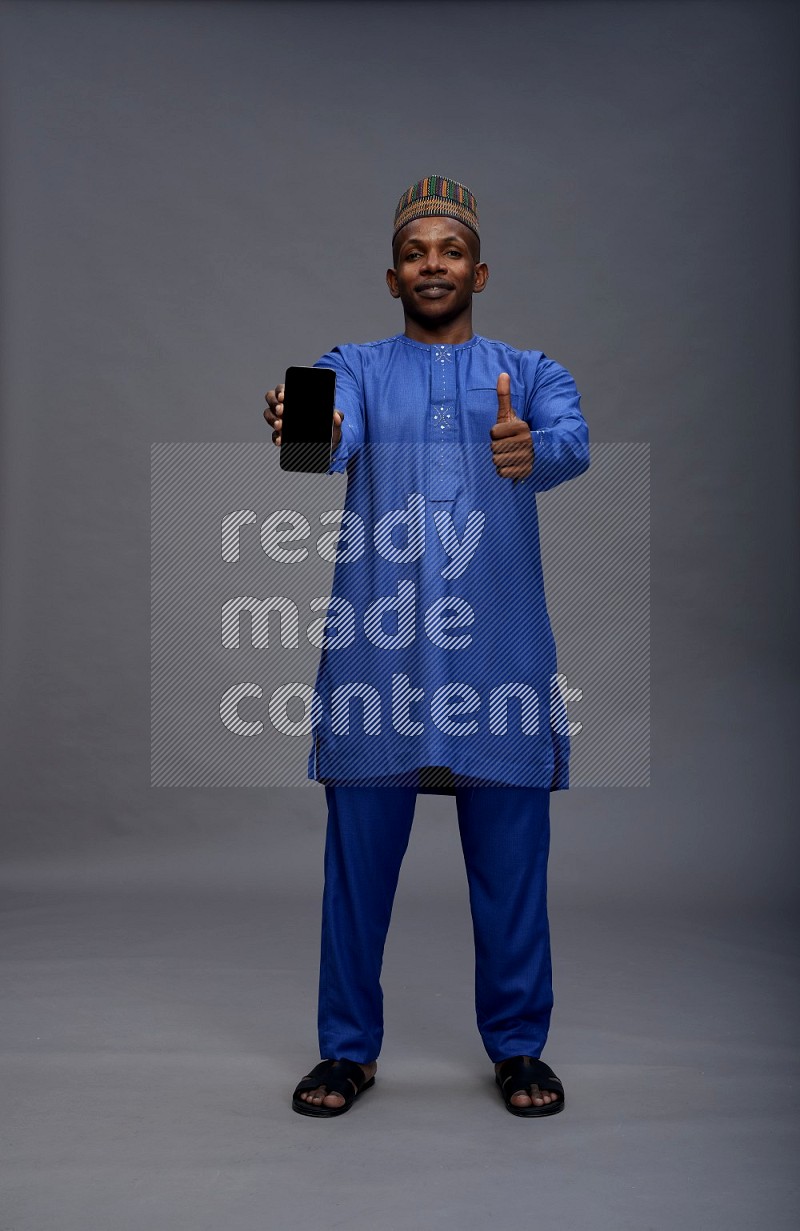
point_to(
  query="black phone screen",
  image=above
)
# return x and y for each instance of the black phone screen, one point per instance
(308, 400)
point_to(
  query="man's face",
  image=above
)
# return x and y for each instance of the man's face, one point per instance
(437, 269)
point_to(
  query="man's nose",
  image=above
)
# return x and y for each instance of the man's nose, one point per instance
(433, 263)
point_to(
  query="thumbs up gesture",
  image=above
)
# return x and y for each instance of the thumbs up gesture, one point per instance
(512, 443)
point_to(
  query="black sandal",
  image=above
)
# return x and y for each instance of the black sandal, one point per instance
(519, 1072)
(336, 1075)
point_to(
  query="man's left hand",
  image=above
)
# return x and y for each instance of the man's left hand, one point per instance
(512, 443)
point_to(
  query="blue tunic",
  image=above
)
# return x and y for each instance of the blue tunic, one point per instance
(436, 647)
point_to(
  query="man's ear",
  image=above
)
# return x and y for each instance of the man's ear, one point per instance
(391, 282)
(481, 277)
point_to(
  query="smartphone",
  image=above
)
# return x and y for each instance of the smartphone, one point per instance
(309, 396)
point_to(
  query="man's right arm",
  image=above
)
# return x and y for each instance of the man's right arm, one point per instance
(348, 417)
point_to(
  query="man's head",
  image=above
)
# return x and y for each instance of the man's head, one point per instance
(436, 251)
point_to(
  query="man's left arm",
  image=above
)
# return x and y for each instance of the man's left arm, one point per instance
(558, 429)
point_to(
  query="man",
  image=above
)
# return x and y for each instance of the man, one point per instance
(451, 687)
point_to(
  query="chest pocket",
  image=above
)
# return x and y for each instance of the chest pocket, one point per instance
(480, 408)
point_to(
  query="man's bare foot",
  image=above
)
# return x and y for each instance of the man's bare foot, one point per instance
(320, 1097)
(536, 1097)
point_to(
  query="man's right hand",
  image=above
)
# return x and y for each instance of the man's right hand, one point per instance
(274, 417)
(274, 412)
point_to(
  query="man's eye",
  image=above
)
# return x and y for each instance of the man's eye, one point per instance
(453, 252)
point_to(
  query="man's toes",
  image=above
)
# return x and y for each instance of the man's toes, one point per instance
(313, 1096)
(320, 1095)
(547, 1096)
(537, 1097)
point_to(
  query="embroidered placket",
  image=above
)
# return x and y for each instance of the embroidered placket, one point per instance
(443, 472)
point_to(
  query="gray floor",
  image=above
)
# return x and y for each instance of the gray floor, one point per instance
(160, 1005)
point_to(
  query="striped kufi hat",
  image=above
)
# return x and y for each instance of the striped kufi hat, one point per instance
(435, 197)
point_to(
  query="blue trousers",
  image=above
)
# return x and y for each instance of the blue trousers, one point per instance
(505, 838)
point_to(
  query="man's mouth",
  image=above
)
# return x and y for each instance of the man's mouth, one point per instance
(434, 290)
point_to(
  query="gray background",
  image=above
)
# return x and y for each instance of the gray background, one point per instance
(194, 197)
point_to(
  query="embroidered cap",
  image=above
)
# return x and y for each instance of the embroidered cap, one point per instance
(434, 197)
